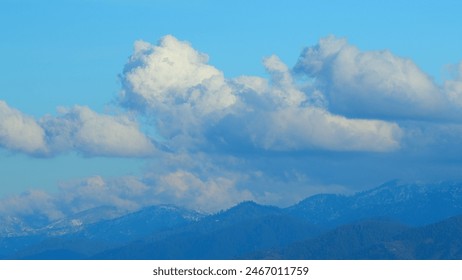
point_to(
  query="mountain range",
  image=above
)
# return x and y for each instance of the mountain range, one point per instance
(392, 221)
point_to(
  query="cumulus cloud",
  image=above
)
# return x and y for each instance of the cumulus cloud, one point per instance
(283, 91)
(125, 193)
(179, 92)
(179, 187)
(224, 140)
(19, 132)
(173, 79)
(31, 203)
(203, 118)
(372, 84)
(207, 194)
(92, 134)
(74, 129)
(193, 105)
(312, 128)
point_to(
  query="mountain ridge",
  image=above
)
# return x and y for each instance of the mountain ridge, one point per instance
(171, 232)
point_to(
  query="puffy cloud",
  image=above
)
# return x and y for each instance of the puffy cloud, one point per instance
(180, 187)
(189, 190)
(76, 129)
(93, 134)
(173, 73)
(19, 132)
(373, 84)
(230, 139)
(312, 128)
(284, 90)
(124, 193)
(31, 203)
(194, 106)
(296, 121)
(173, 84)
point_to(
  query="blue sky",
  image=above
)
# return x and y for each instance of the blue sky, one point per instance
(267, 100)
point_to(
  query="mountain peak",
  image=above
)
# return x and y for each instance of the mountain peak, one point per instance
(248, 210)
(415, 204)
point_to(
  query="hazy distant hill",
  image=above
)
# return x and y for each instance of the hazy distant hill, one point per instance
(377, 240)
(242, 229)
(442, 240)
(410, 204)
(82, 238)
(345, 242)
(391, 221)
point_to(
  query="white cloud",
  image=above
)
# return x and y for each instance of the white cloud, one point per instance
(30, 203)
(94, 134)
(180, 187)
(123, 193)
(76, 129)
(189, 190)
(296, 122)
(373, 84)
(204, 119)
(173, 84)
(19, 132)
(315, 128)
(283, 88)
(193, 105)
(173, 73)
